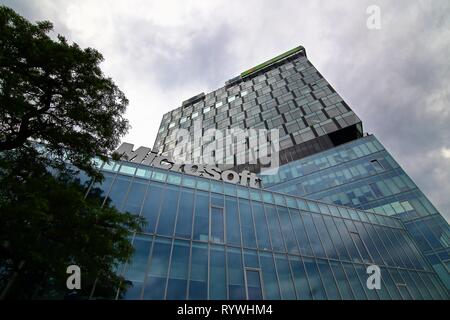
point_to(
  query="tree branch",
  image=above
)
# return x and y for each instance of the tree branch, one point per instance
(24, 130)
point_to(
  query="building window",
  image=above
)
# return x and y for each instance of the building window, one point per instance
(127, 170)
(404, 291)
(377, 165)
(217, 229)
(361, 247)
(446, 264)
(253, 284)
(231, 99)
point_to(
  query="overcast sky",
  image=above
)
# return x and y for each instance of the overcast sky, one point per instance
(397, 78)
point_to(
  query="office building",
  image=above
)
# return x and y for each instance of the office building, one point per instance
(338, 203)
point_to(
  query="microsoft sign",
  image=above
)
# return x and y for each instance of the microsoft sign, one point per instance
(144, 155)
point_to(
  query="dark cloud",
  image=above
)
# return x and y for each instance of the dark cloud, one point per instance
(35, 11)
(204, 60)
(397, 80)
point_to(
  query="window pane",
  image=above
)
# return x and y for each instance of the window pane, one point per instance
(201, 216)
(101, 189)
(349, 244)
(199, 272)
(334, 234)
(380, 246)
(269, 275)
(410, 255)
(325, 237)
(288, 232)
(168, 212)
(391, 248)
(248, 231)
(118, 191)
(253, 285)
(313, 235)
(137, 266)
(217, 234)
(363, 275)
(127, 169)
(262, 231)
(217, 276)
(411, 285)
(300, 233)
(328, 278)
(355, 283)
(367, 240)
(236, 287)
(251, 259)
(285, 278)
(232, 221)
(177, 283)
(315, 282)
(300, 278)
(412, 251)
(151, 206)
(435, 288)
(174, 178)
(390, 284)
(361, 247)
(159, 263)
(341, 279)
(135, 197)
(184, 219)
(274, 228)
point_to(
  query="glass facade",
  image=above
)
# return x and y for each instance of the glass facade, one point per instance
(338, 204)
(207, 239)
(363, 175)
(291, 96)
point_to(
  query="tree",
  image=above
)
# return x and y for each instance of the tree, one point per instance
(57, 113)
(47, 224)
(55, 93)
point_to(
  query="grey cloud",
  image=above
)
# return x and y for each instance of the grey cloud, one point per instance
(34, 11)
(391, 88)
(205, 60)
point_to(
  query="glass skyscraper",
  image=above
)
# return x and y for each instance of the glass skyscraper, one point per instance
(286, 93)
(338, 204)
(208, 239)
(362, 174)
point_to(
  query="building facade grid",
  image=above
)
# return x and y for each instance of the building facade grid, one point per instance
(213, 240)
